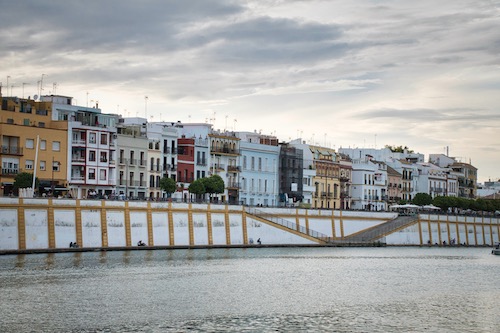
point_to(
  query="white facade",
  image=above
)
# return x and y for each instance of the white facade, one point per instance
(369, 185)
(259, 171)
(92, 136)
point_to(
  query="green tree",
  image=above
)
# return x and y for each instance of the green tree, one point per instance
(443, 202)
(168, 185)
(422, 199)
(213, 185)
(399, 149)
(197, 187)
(24, 180)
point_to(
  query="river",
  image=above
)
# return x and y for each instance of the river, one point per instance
(388, 289)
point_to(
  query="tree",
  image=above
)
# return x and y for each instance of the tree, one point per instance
(24, 180)
(422, 199)
(213, 184)
(197, 187)
(168, 185)
(399, 149)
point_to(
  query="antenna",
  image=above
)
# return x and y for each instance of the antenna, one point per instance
(146, 107)
(41, 84)
(23, 88)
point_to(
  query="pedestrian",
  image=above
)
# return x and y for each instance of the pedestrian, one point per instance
(258, 241)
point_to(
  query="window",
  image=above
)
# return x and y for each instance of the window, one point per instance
(252, 163)
(244, 162)
(103, 156)
(92, 138)
(29, 165)
(104, 138)
(55, 165)
(30, 143)
(102, 174)
(91, 173)
(92, 155)
(43, 144)
(42, 165)
(56, 146)
(41, 124)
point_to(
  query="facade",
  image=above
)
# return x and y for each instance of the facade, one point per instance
(432, 180)
(369, 184)
(345, 164)
(327, 179)
(291, 174)
(259, 169)
(394, 187)
(467, 179)
(25, 126)
(225, 153)
(91, 135)
(133, 147)
(155, 168)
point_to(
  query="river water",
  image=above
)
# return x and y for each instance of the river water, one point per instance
(392, 289)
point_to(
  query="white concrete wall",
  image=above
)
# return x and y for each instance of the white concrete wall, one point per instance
(218, 229)
(64, 227)
(37, 231)
(200, 229)
(115, 221)
(181, 229)
(271, 235)
(236, 229)
(91, 228)
(8, 229)
(138, 227)
(161, 233)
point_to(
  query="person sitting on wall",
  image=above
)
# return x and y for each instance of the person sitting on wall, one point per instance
(258, 241)
(140, 243)
(71, 244)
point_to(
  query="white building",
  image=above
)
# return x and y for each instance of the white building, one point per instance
(259, 169)
(369, 184)
(309, 172)
(92, 136)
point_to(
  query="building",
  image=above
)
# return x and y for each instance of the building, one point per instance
(259, 169)
(394, 187)
(291, 168)
(369, 184)
(133, 145)
(32, 141)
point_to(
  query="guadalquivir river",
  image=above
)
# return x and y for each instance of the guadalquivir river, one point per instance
(253, 290)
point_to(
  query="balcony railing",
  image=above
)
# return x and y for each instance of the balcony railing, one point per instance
(12, 150)
(233, 168)
(9, 171)
(225, 151)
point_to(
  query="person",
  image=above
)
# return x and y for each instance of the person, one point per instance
(258, 241)
(140, 243)
(71, 244)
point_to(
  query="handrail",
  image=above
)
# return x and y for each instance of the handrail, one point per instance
(288, 224)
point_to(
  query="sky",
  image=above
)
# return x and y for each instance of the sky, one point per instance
(366, 73)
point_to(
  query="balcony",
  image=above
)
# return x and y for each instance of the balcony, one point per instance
(233, 185)
(77, 159)
(10, 171)
(142, 163)
(201, 162)
(185, 180)
(228, 151)
(220, 167)
(233, 168)
(11, 150)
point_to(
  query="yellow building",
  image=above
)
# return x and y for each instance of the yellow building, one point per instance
(24, 125)
(327, 179)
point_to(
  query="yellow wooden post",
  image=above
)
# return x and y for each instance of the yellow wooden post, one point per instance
(458, 229)
(190, 224)
(51, 225)
(78, 223)
(104, 224)
(420, 230)
(448, 229)
(333, 223)
(209, 226)
(171, 224)
(128, 230)
(21, 225)
(475, 230)
(228, 226)
(149, 216)
(244, 226)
